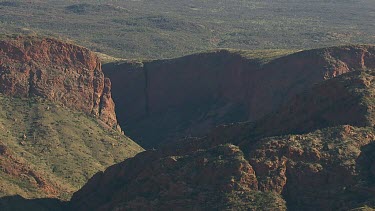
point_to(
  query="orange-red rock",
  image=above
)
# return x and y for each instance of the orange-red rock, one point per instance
(59, 71)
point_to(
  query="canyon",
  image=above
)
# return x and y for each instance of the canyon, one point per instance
(231, 130)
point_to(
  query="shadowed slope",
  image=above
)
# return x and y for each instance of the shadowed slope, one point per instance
(11, 203)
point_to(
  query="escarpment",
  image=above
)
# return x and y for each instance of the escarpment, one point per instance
(187, 96)
(58, 71)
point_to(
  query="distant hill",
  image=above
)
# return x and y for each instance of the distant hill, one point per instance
(166, 28)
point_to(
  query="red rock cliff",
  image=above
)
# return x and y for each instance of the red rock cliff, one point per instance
(59, 71)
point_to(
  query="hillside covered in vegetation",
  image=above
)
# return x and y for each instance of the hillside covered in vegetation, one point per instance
(168, 28)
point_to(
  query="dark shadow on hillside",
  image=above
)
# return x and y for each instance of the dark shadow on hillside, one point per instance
(18, 203)
(366, 167)
(366, 164)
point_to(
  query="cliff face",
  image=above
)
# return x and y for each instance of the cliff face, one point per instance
(58, 71)
(169, 99)
(192, 94)
(331, 168)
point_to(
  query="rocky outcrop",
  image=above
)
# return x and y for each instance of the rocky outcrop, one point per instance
(319, 170)
(329, 169)
(190, 95)
(58, 71)
(214, 179)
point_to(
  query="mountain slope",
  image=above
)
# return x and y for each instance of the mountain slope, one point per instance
(346, 99)
(190, 95)
(328, 169)
(49, 150)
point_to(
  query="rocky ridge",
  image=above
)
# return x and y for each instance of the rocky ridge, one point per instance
(190, 95)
